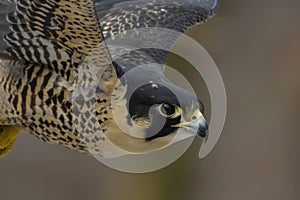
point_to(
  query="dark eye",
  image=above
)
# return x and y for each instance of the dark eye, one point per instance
(169, 110)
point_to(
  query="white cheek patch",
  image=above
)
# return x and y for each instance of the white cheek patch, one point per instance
(143, 122)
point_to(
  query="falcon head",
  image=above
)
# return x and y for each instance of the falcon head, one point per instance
(156, 105)
(151, 113)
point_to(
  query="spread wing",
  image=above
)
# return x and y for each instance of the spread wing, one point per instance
(58, 45)
(54, 34)
(135, 21)
(59, 34)
(117, 16)
(5, 8)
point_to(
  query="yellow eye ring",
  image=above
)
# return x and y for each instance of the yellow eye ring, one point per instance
(169, 110)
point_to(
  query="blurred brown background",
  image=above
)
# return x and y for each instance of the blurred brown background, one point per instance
(256, 45)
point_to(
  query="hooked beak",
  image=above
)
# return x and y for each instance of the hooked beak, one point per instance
(202, 128)
(199, 127)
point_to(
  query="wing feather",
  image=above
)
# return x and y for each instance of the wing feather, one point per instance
(58, 34)
(119, 17)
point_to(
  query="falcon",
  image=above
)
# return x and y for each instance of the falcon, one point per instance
(60, 81)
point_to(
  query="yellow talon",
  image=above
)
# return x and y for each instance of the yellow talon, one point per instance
(8, 136)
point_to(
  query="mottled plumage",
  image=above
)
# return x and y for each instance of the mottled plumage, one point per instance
(57, 76)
